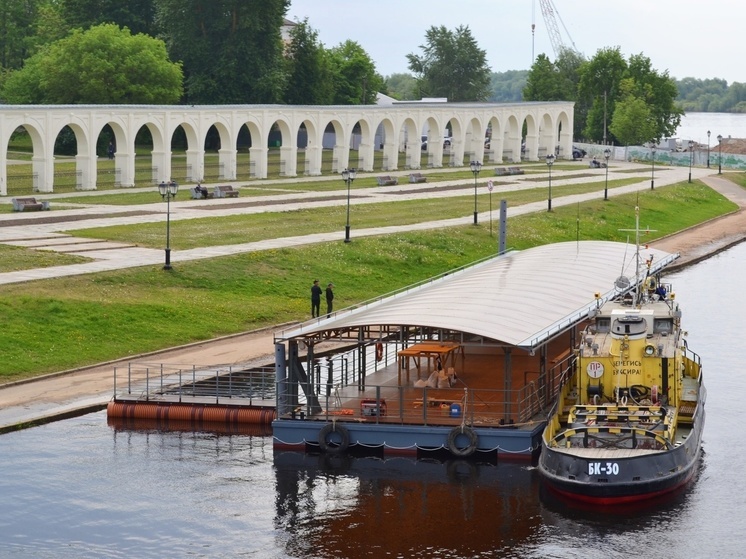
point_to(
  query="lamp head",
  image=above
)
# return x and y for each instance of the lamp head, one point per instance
(345, 175)
(607, 153)
(550, 159)
(476, 166)
(162, 189)
(720, 138)
(353, 173)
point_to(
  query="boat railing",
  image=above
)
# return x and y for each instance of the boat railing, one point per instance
(189, 383)
(594, 436)
(424, 406)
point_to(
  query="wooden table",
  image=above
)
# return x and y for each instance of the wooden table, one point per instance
(428, 350)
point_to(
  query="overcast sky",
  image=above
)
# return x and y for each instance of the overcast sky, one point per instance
(686, 37)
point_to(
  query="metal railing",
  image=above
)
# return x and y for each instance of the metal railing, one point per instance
(221, 385)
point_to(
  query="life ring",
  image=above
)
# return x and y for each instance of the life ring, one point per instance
(379, 351)
(339, 440)
(650, 284)
(462, 451)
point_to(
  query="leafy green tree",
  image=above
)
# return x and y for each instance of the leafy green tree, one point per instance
(309, 73)
(354, 74)
(633, 122)
(402, 86)
(658, 91)
(598, 88)
(543, 83)
(137, 15)
(105, 64)
(231, 50)
(451, 65)
(507, 87)
(18, 22)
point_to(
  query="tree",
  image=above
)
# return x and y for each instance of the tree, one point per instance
(18, 21)
(354, 74)
(105, 64)
(137, 15)
(658, 91)
(231, 50)
(633, 122)
(543, 83)
(402, 86)
(507, 87)
(598, 88)
(451, 65)
(308, 67)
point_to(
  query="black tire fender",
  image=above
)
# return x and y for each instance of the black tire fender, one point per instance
(462, 431)
(334, 438)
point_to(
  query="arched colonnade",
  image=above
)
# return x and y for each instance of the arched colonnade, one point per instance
(395, 129)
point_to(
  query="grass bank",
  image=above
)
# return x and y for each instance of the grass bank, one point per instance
(68, 322)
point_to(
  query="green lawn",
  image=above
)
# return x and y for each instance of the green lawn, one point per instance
(67, 322)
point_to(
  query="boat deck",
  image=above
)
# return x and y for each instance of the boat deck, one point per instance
(478, 391)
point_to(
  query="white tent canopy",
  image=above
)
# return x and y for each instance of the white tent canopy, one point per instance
(521, 298)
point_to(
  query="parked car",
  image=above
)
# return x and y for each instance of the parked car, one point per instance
(578, 153)
(487, 142)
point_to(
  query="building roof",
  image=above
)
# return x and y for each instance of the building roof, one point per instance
(521, 298)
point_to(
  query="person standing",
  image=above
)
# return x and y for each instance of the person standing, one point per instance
(315, 299)
(329, 299)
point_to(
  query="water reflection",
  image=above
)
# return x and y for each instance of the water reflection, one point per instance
(402, 507)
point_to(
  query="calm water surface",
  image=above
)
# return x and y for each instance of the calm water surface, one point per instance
(81, 488)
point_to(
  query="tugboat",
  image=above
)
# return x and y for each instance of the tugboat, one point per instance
(628, 421)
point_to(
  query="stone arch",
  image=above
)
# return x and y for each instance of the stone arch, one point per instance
(257, 150)
(390, 144)
(312, 145)
(117, 171)
(530, 153)
(410, 143)
(454, 144)
(474, 140)
(564, 135)
(433, 136)
(84, 173)
(547, 137)
(24, 183)
(334, 146)
(493, 149)
(362, 140)
(286, 155)
(512, 138)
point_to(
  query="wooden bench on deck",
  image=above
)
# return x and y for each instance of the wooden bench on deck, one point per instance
(225, 191)
(387, 180)
(29, 204)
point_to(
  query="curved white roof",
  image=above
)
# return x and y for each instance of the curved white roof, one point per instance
(520, 298)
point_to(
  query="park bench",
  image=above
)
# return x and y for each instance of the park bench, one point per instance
(501, 171)
(417, 177)
(29, 204)
(198, 195)
(386, 180)
(515, 171)
(225, 191)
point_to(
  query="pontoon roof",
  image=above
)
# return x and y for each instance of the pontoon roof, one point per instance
(521, 298)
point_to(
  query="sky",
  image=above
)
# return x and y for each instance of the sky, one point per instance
(687, 38)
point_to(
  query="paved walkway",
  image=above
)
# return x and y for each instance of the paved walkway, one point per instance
(67, 393)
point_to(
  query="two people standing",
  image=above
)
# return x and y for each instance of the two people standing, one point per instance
(316, 298)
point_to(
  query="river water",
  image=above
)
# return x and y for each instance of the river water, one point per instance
(80, 488)
(694, 126)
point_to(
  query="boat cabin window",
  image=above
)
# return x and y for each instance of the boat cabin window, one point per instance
(663, 325)
(603, 324)
(629, 325)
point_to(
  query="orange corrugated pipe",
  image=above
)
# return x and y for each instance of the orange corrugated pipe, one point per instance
(186, 412)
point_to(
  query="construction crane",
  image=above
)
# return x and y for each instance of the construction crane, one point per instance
(551, 15)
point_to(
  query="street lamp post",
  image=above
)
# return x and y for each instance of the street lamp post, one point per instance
(348, 175)
(168, 191)
(720, 154)
(691, 158)
(476, 166)
(607, 155)
(708, 149)
(550, 162)
(652, 172)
